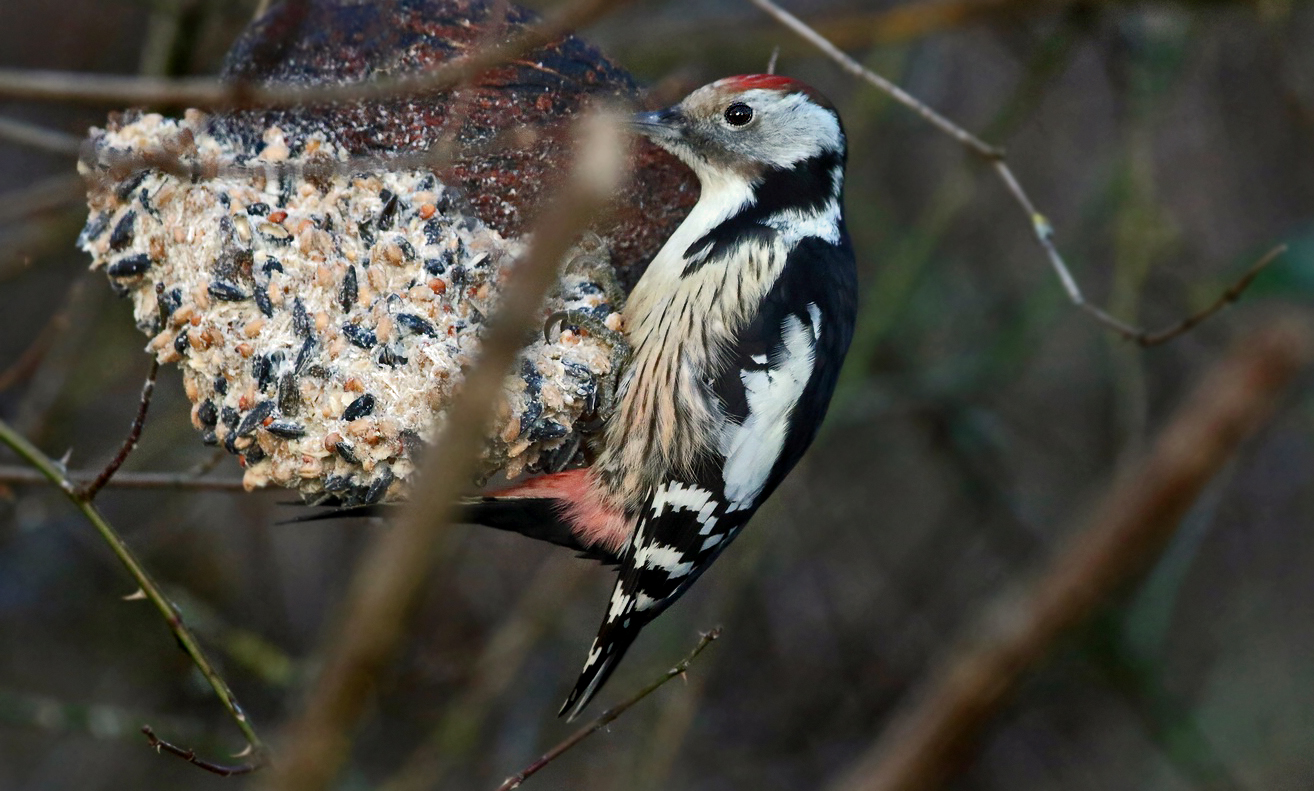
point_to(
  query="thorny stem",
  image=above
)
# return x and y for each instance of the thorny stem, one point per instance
(53, 473)
(189, 755)
(89, 491)
(1040, 226)
(609, 715)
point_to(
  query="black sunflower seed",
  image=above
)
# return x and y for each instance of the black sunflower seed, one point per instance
(349, 290)
(417, 325)
(129, 265)
(304, 355)
(130, 186)
(366, 229)
(360, 336)
(254, 418)
(262, 301)
(286, 429)
(207, 414)
(289, 395)
(379, 487)
(346, 452)
(408, 252)
(121, 236)
(262, 368)
(389, 210)
(96, 225)
(227, 292)
(391, 357)
(359, 408)
(301, 323)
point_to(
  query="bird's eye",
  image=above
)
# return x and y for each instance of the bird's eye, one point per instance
(738, 114)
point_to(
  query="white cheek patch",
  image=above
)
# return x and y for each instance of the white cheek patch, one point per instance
(752, 449)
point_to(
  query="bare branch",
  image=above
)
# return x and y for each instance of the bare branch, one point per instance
(213, 94)
(1129, 529)
(53, 473)
(189, 755)
(89, 491)
(609, 715)
(387, 581)
(1040, 225)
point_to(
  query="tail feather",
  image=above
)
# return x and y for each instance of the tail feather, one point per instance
(560, 509)
(535, 517)
(613, 640)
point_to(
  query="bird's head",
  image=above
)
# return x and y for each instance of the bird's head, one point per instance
(743, 126)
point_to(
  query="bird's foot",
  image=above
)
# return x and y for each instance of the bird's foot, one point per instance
(602, 401)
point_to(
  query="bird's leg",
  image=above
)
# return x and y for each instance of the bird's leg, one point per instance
(603, 403)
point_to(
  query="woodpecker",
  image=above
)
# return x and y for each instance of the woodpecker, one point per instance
(737, 328)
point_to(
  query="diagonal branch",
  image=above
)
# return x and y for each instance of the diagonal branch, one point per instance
(387, 582)
(55, 474)
(1131, 526)
(609, 715)
(1040, 226)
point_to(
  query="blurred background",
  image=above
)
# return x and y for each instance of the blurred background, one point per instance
(1171, 144)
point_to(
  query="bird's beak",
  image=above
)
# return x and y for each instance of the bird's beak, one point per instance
(662, 126)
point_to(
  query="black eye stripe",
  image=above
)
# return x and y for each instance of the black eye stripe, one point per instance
(738, 114)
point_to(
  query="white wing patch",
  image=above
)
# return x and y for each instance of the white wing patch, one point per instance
(751, 449)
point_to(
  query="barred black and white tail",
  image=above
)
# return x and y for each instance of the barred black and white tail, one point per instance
(614, 639)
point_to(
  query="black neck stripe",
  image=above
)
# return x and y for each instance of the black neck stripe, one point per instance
(805, 187)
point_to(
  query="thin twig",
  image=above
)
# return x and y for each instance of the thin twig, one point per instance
(187, 481)
(388, 580)
(213, 94)
(1133, 523)
(1040, 225)
(189, 755)
(88, 491)
(53, 473)
(52, 140)
(607, 716)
